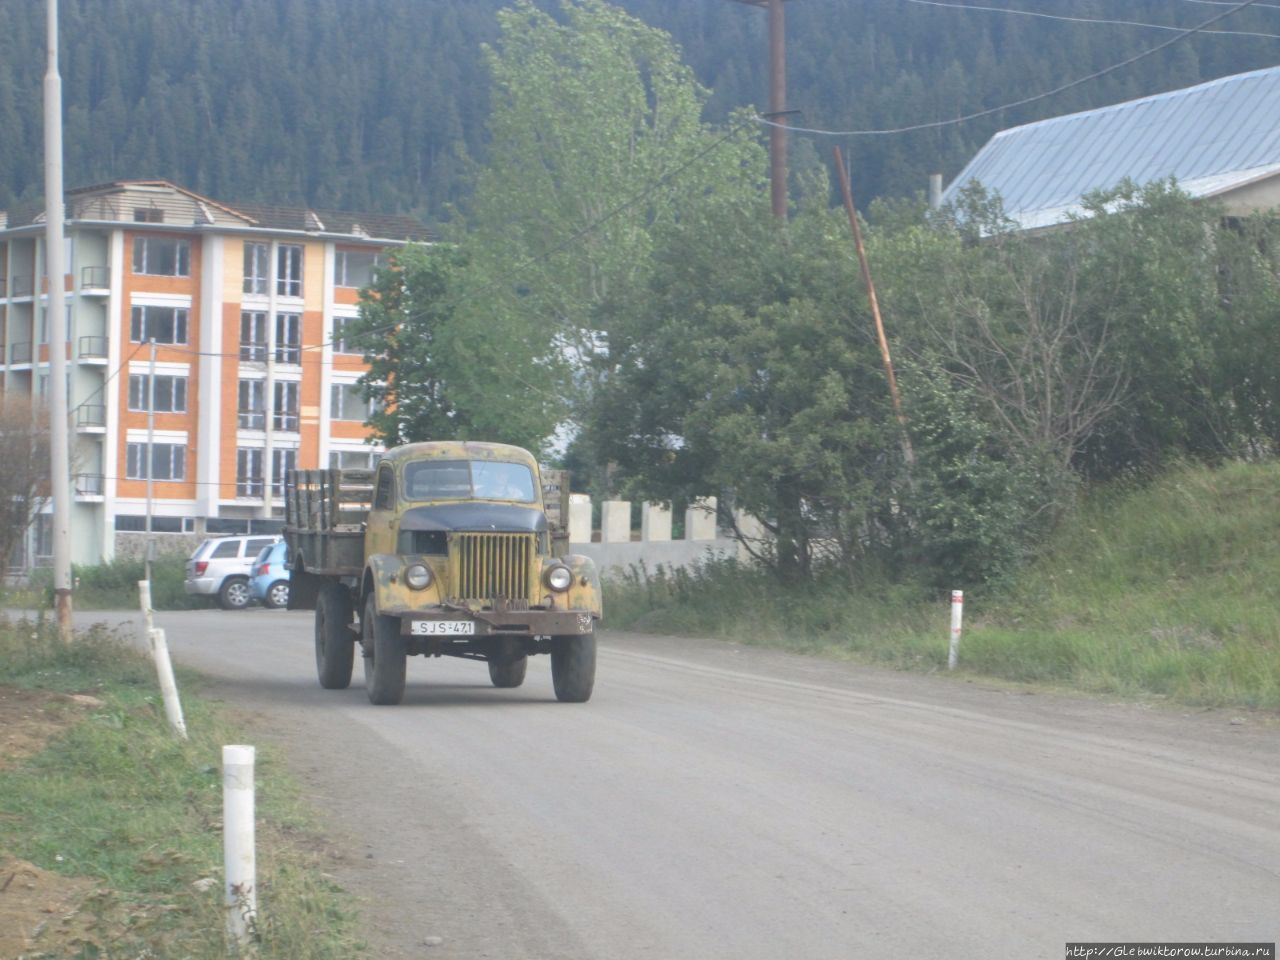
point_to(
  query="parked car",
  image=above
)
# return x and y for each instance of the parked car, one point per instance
(220, 568)
(269, 577)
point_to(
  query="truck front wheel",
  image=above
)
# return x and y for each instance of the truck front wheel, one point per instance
(573, 667)
(507, 666)
(335, 644)
(384, 656)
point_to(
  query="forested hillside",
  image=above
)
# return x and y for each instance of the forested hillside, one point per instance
(383, 104)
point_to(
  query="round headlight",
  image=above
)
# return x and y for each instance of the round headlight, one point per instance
(559, 578)
(417, 576)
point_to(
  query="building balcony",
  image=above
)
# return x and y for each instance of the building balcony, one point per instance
(91, 418)
(90, 487)
(92, 349)
(20, 352)
(95, 281)
(20, 287)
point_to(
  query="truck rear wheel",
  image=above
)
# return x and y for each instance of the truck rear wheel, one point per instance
(335, 644)
(507, 668)
(384, 656)
(573, 667)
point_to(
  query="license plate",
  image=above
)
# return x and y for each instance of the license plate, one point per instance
(445, 628)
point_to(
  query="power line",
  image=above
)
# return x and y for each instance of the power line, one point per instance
(1091, 20)
(936, 124)
(1227, 3)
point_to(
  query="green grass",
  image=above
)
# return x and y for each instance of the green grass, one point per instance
(119, 799)
(114, 586)
(1166, 590)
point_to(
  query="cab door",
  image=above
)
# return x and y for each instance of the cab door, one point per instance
(383, 524)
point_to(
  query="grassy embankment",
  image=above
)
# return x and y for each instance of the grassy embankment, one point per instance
(1166, 590)
(117, 798)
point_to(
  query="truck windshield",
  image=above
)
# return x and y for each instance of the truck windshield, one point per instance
(468, 480)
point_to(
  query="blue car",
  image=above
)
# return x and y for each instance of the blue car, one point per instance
(269, 577)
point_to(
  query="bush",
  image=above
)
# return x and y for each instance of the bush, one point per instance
(114, 586)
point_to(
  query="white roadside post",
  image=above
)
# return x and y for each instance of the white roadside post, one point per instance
(238, 845)
(164, 666)
(957, 615)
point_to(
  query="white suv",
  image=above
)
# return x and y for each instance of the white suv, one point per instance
(221, 567)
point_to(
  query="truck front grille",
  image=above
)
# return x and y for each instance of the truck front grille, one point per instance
(486, 567)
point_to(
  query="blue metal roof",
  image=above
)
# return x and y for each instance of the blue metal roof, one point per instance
(1211, 137)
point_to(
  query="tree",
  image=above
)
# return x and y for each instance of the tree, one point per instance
(597, 140)
(766, 388)
(441, 367)
(24, 468)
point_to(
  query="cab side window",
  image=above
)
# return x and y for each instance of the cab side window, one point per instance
(384, 497)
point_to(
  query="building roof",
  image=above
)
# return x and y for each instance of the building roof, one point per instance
(178, 206)
(1212, 138)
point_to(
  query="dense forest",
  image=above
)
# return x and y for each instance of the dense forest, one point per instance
(384, 104)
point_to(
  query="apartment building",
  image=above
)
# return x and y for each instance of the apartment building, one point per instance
(206, 354)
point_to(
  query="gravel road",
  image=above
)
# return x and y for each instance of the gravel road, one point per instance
(719, 801)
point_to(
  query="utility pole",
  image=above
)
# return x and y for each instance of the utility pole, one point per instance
(777, 102)
(151, 457)
(56, 315)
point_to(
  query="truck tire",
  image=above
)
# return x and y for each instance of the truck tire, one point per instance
(384, 656)
(573, 667)
(234, 594)
(507, 670)
(335, 644)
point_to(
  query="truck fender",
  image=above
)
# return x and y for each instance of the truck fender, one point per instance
(585, 594)
(382, 579)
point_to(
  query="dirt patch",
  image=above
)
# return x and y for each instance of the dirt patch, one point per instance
(40, 912)
(29, 718)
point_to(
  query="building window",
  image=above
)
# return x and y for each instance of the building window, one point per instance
(353, 268)
(289, 270)
(285, 413)
(353, 459)
(340, 344)
(248, 472)
(168, 461)
(253, 405)
(253, 335)
(288, 338)
(249, 479)
(162, 257)
(255, 267)
(148, 215)
(282, 461)
(44, 535)
(161, 324)
(171, 393)
(347, 402)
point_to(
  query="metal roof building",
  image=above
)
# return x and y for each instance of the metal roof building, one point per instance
(1218, 139)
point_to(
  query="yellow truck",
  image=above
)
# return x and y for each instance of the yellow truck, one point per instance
(443, 549)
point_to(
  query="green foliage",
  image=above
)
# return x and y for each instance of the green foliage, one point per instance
(114, 586)
(977, 506)
(138, 811)
(766, 389)
(597, 142)
(442, 366)
(1168, 589)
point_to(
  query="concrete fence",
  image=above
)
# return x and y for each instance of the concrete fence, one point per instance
(617, 546)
